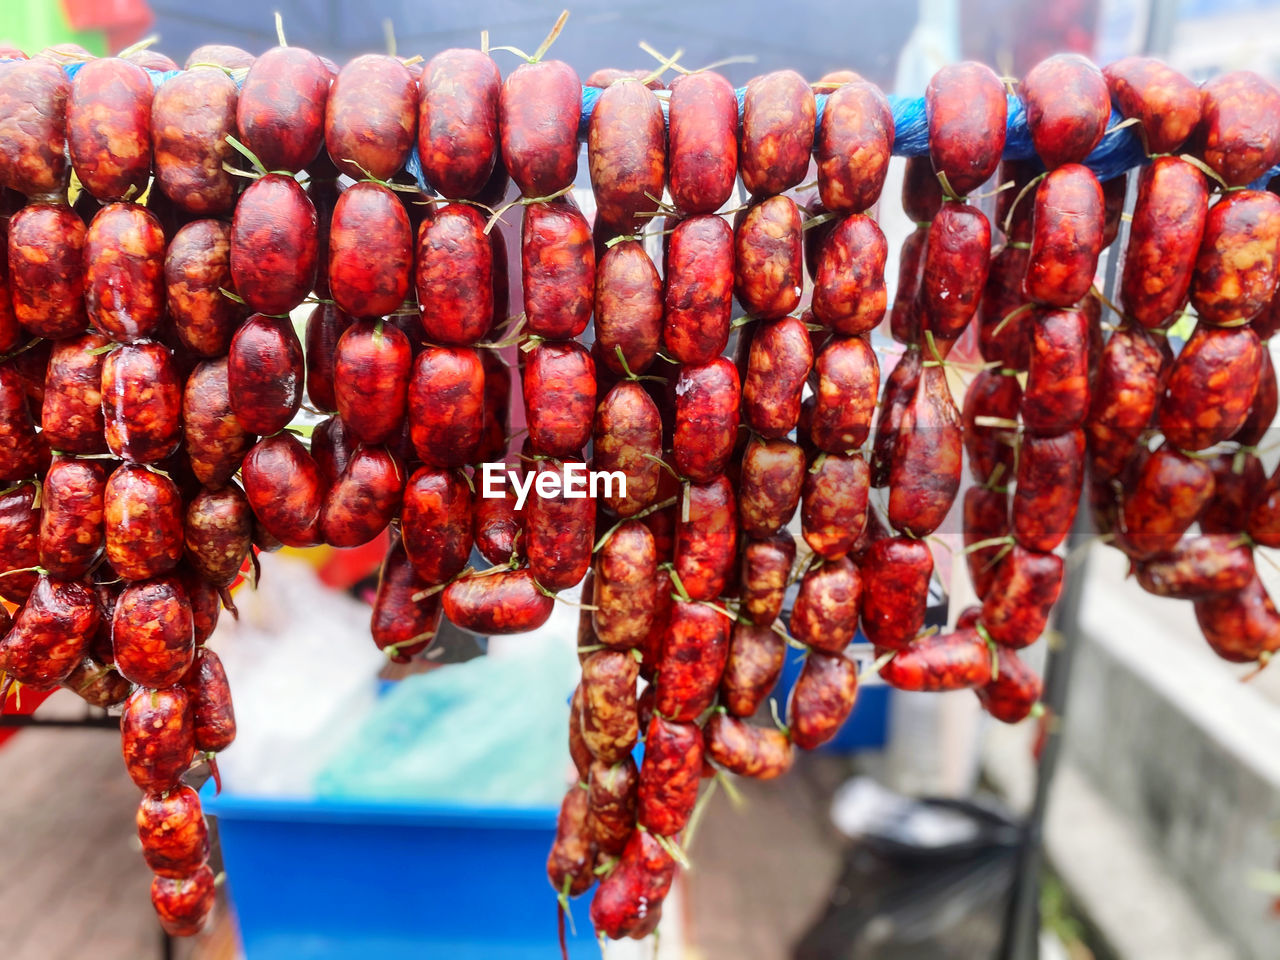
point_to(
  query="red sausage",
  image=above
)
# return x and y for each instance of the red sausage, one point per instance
(218, 531)
(559, 263)
(707, 538)
(274, 245)
(171, 828)
(282, 482)
(694, 650)
(265, 372)
(191, 116)
(142, 511)
(1240, 128)
(157, 737)
(956, 261)
(756, 655)
(899, 390)
(1242, 626)
(371, 380)
(454, 275)
(1238, 481)
(778, 114)
(1236, 269)
(216, 442)
(669, 775)
(559, 529)
(631, 895)
(1168, 494)
(765, 575)
(364, 499)
(707, 400)
(1210, 387)
(498, 528)
(904, 318)
(699, 289)
(371, 117)
(849, 293)
(943, 661)
(1164, 238)
(986, 517)
(993, 393)
(109, 128)
(825, 615)
(50, 633)
(853, 147)
(1125, 394)
(370, 251)
(822, 699)
(1016, 610)
(197, 268)
(1066, 237)
(124, 272)
(19, 541)
(627, 435)
(626, 153)
(1056, 396)
(778, 364)
(46, 270)
(768, 258)
(628, 309)
(173, 832)
(609, 725)
(280, 114)
(703, 149)
(1011, 695)
(611, 804)
(572, 853)
(1166, 102)
(458, 121)
(499, 603)
(1050, 474)
(33, 127)
(1068, 107)
(153, 632)
(1198, 567)
(401, 625)
(834, 509)
(925, 471)
(539, 110)
(895, 590)
(71, 532)
(183, 906)
(769, 486)
(848, 381)
(436, 523)
(559, 393)
(967, 112)
(71, 415)
(141, 402)
(625, 576)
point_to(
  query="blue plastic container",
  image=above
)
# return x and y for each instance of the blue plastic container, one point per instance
(340, 880)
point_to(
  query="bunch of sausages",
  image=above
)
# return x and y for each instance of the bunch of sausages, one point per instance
(151, 382)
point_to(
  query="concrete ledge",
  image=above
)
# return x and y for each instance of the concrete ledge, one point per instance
(1189, 756)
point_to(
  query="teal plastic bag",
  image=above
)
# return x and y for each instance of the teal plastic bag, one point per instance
(491, 731)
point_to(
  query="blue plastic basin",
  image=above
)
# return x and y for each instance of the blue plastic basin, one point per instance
(341, 880)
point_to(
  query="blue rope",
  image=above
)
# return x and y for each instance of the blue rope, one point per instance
(1119, 152)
